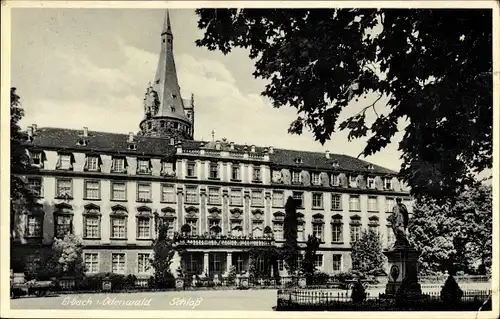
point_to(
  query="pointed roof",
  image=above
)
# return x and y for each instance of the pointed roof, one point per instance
(166, 83)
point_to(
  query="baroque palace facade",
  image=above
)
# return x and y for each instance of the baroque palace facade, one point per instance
(113, 190)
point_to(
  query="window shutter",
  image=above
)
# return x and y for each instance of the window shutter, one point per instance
(85, 226)
(58, 164)
(86, 165)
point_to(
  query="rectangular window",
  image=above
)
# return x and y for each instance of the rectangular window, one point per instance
(337, 233)
(143, 166)
(235, 172)
(143, 192)
(192, 194)
(92, 263)
(118, 228)
(334, 180)
(315, 178)
(167, 168)
(354, 203)
(299, 198)
(372, 204)
(236, 198)
(389, 204)
(215, 264)
(35, 186)
(118, 165)
(300, 232)
(64, 188)
(168, 193)
(92, 190)
(299, 261)
(337, 263)
(278, 231)
(92, 163)
(387, 184)
(318, 261)
(296, 177)
(318, 231)
(370, 183)
(118, 263)
(317, 200)
(36, 158)
(214, 170)
(65, 161)
(118, 191)
(64, 225)
(352, 181)
(143, 228)
(256, 174)
(143, 265)
(192, 264)
(278, 199)
(214, 196)
(34, 226)
(92, 227)
(257, 198)
(191, 169)
(336, 202)
(236, 227)
(355, 232)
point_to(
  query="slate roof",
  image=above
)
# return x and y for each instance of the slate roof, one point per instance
(60, 139)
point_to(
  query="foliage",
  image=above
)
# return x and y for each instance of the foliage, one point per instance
(21, 197)
(454, 237)
(68, 255)
(231, 276)
(367, 257)
(290, 248)
(320, 278)
(308, 263)
(270, 255)
(451, 292)
(164, 250)
(435, 75)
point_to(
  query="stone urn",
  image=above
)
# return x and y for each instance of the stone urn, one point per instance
(193, 283)
(179, 282)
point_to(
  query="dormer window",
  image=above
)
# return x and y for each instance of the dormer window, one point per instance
(82, 142)
(257, 174)
(352, 181)
(65, 162)
(370, 182)
(92, 163)
(132, 147)
(167, 169)
(387, 183)
(36, 159)
(335, 164)
(298, 160)
(172, 109)
(143, 166)
(118, 165)
(315, 178)
(334, 180)
(174, 96)
(296, 177)
(371, 167)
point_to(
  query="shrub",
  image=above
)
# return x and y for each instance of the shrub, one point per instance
(320, 279)
(358, 292)
(451, 292)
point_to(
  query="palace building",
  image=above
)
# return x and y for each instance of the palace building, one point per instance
(113, 190)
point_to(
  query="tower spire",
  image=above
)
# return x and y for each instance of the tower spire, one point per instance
(166, 24)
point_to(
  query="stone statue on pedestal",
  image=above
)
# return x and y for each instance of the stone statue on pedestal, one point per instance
(399, 222)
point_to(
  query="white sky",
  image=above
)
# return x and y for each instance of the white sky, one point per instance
(90, 67)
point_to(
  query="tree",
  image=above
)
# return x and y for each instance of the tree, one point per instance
(454, 237)
(367, 257)
(434, 73)
(21, 197)
(308, 263)
(163, 252)
(290, 248)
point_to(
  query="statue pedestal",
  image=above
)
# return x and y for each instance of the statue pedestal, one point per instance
(403, 271)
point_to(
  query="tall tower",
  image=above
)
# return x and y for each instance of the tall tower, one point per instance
(165, 112)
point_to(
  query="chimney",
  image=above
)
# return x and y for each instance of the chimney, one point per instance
(327, 154)
(252, 149)
(30, 133)
(231, 146)
(34, 128)
(131, 137)
(85, 131)
(271, 150)
(217, 145)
